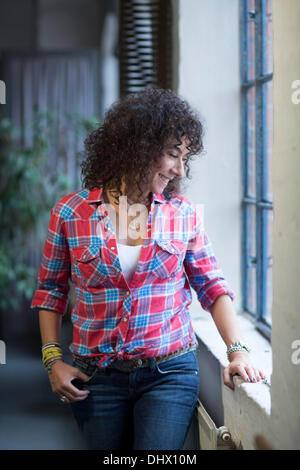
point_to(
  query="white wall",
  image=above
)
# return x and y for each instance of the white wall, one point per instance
(285, 390)
(208, 78)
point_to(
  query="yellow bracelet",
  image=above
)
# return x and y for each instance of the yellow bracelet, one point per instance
(49, 358)
(51, 352)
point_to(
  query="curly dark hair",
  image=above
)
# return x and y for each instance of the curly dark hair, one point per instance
(135, 133)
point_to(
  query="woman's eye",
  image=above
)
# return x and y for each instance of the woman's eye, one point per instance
(176, 156)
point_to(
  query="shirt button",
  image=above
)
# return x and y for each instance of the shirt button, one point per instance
(125, 319)
(112, 247)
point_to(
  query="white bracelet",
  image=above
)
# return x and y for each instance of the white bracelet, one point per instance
(237, 346)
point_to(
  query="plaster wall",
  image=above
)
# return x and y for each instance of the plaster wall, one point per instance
(208, 77)
(285, 410)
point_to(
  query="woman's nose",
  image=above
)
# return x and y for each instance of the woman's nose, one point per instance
(178, 169)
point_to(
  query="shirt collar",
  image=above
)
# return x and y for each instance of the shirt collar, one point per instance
(96, 195)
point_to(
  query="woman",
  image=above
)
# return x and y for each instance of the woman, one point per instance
(132, 246)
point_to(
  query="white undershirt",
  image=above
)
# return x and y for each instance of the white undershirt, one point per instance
(129, 257)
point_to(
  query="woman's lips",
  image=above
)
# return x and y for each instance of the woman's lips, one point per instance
(163, 179)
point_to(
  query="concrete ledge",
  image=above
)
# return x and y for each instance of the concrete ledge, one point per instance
(247, 408)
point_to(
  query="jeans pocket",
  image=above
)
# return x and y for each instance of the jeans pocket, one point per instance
(87, 369)
(184, 364)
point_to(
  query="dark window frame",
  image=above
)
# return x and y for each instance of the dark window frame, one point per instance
(260, 202)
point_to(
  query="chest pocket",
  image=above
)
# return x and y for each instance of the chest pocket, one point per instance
(89, 263)
(168, 258)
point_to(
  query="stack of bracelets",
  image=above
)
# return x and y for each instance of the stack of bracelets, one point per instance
(51, 352)
(237, 346)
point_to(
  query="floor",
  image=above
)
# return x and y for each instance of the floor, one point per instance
(31, 416)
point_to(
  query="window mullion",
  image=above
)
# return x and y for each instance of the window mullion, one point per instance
(259, 125)
(244, 149)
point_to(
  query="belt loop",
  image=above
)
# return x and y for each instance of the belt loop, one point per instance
(152, 364)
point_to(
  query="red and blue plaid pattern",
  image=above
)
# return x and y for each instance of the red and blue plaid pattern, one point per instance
(111, 319)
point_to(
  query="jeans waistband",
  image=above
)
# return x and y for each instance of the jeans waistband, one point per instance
(128, 365)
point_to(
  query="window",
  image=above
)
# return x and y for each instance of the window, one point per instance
(145, 44)
(256, 148)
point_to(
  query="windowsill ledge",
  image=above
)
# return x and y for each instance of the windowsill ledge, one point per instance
(261, 355)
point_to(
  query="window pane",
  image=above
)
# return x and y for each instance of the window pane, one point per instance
(251, 41)
(269, 216)
(268, 126)
(269, 296)
(251, 142)
(251, 294)
(251, 257)
(268, 62)
(251, 230)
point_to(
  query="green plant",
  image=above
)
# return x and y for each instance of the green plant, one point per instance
(29, 186)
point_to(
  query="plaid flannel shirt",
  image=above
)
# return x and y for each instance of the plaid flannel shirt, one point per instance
(111, 318)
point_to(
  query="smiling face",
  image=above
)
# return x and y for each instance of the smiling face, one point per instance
(171, 165)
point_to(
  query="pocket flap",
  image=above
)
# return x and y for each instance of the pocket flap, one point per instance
(175, 247)
(84, 254)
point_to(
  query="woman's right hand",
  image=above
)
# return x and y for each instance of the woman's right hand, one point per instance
(61, 377)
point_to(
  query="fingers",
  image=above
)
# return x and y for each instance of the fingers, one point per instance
(81, 375)
(72, 393)
(61, 379)
(254, 375)
(248, 373)
(227, 379)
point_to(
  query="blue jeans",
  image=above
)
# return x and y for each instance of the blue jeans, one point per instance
(148, 408)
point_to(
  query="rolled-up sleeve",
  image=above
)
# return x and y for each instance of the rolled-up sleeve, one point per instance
(53, 278)
(202, 269)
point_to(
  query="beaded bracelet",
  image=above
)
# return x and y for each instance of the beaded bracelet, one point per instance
(47, 345)
(237, 346)
(48, 367)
